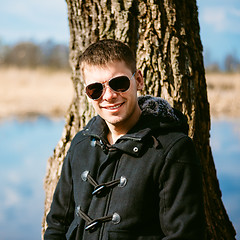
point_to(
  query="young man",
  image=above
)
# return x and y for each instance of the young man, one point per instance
(132, 173)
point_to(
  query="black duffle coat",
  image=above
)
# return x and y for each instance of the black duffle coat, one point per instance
(146, 186)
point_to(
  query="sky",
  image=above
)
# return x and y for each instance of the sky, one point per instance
(220, 28)
(41, 20)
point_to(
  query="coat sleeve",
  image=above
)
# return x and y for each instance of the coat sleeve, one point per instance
(181, 195)
(62, 208)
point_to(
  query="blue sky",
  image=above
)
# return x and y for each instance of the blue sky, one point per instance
(37, 20)
(220, 28)
(47, 19)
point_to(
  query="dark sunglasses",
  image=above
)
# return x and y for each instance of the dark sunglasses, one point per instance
(117, 84)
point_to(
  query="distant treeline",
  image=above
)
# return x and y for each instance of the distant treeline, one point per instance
(231, 64)
(53, 55)
(32, 55)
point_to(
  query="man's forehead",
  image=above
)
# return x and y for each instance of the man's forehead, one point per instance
(111, 64)
(111, 67)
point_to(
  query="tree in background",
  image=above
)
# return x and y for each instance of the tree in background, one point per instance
(24, 54)
(31, 55)
(232, 64)
(165, 37)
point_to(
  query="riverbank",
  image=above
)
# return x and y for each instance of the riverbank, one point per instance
(26, 93)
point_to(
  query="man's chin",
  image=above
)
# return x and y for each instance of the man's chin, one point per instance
(115, 121)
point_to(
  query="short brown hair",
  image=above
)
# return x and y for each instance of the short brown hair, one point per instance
(107, 51)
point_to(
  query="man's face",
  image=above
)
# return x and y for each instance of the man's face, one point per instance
(119, 109)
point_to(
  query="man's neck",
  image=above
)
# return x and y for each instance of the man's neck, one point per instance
(116, 131)
(113, 137)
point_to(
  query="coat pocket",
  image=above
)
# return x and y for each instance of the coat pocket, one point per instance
(125, 235)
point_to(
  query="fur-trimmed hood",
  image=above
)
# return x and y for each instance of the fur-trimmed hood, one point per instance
(156, 106)
(158, 112)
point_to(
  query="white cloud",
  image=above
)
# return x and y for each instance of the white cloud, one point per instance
(13, 177)
(215, 17)
(41, 20)
(235, 12)
(222, 18)
(12, 198)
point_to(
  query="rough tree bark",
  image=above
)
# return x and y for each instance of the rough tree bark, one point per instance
(165, 37)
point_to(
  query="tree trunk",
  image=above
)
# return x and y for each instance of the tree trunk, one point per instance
(165, 37)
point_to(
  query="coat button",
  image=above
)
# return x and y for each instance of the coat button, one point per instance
(116, 218)
(99, 190)
(93, 142)
(77, 211)
(92, 226)
(135, 149)
(84, 175)
(123, 181)
(84, 132)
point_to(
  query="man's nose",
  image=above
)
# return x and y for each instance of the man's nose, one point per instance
(109, 93)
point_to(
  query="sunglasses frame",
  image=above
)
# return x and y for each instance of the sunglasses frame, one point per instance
(107, 82)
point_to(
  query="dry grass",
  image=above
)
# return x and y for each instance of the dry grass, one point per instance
(224, 94)
(28, 92)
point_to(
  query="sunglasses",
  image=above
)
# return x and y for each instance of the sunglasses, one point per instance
(117, 84)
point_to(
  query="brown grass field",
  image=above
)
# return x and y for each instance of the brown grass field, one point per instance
(224, 94)
(29, 93)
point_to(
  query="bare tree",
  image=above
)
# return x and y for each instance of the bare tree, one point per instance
(57, 57)
(165, 37)
(231, 63)
(29, 54)
(23, 54)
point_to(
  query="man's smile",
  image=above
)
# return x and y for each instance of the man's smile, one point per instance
(113, 107)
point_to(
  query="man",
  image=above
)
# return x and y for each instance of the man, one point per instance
(132, 173)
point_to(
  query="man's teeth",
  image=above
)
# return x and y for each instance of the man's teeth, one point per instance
(117, 106)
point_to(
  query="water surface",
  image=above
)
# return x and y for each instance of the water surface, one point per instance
(25, 147)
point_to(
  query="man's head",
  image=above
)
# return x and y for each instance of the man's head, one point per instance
(105, 52)
(108, 69)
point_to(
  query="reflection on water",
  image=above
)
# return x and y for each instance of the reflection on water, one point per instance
(26, 146)
(24, 149)
(225, 143)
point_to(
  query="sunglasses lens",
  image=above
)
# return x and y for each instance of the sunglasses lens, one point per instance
(94, 91)
(120, 84)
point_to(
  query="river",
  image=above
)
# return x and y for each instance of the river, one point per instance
(26, 145)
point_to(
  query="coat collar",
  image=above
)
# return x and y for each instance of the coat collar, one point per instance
(131, 143)
(97, 127)
(156, 114)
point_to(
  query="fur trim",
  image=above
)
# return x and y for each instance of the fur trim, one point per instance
(156, 106)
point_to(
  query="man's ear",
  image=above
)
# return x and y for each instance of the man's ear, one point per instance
(139, 79)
